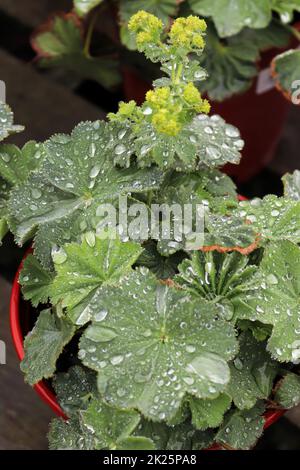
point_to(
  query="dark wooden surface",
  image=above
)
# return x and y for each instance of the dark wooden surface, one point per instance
(24, 418)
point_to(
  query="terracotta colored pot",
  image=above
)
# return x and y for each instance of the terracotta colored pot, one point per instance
(19, 316)
(259, 117)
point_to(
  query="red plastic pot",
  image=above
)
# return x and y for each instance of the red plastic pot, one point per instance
(20, 310)
(259, 117)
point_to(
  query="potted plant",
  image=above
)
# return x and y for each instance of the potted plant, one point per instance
(243, 39)
(166, 311)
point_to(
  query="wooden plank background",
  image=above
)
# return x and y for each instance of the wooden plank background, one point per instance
(24, 417)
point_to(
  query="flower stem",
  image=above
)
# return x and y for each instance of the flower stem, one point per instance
(89, 35)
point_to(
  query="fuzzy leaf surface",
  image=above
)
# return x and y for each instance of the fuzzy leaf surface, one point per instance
(7, 126)
(35, 281)
(207, 141)
(286, 72)
(252, 373)
(241, 429)
(231, 16)
(232, 63)
(75, 388)
(274, 300)
(273, 218)
(292, 185)
(177, 341)
(4, 190)
(113, 428)
(16, 164)
(44, 345)
(209, 413)
(77, 174)
(216, 276)
(59, 43)
(69, 435)
(288, 393)
(83, 269)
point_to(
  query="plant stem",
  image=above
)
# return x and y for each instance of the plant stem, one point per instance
(178, 74)
(294, 32)
(89, 35)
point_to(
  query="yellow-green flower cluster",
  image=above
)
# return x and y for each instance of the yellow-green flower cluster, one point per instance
(147, 27)
(169, 108)
(188, 32)
(169, 111)
(126, 111)
(165, 111)
(193, 97)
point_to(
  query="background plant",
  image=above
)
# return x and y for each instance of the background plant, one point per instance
(237, 33)
(174, 349)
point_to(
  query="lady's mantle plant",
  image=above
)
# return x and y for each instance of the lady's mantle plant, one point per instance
(238, 32)
(147, 343)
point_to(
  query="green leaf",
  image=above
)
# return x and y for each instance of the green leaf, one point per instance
(202, 440)
(200, 190)
(241, 429)
(113, 428)
(16, 164)
(225, 233)
(83, 269)
(252, 373)
(217, 143)
(76, 177)
(285, 9)
(136, 443)
(288, 393)
(275, 300)
(162, 266)
(180, 344)
(7, 126)
(35, 281)
(286, 72)
(209, 413)
(231, 16)
(98, 427)
(159, 433)
(216, 277)
(4, 191)
(69, 435)
(161, 8)
(207, 140)
(44, 345)
(186, 437)
(292, 185)
(260, 331)
(59, 43)
(3, 227)
(75, 388)
(273, 218)
(231, 63)
(83, 7)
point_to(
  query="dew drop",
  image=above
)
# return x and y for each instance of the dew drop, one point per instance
(116, 360)
(59, 255)
(100, 316)
(90, 239)
(36, 193)
(231, 131)
(95, 171)
(120, 149)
